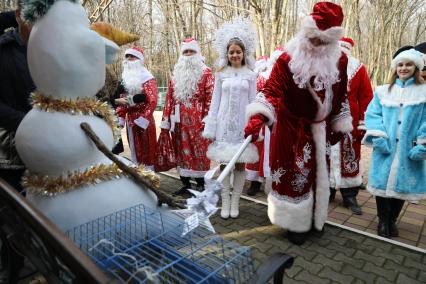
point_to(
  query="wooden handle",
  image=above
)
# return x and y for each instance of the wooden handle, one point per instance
(162, 196)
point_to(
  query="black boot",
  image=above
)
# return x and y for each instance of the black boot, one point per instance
(383, 212)
(254, 188)
(395, 208)
(349, 199)
(118, 148)
(332, 194)
(184, 189)
(297, 238)
(200, 184)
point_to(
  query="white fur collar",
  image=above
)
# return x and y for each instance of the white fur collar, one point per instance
(353, 67)
(411, 95)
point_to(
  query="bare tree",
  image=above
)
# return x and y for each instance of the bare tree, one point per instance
(379, 27)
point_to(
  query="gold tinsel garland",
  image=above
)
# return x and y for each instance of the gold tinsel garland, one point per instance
(50, 186)
(79, 106)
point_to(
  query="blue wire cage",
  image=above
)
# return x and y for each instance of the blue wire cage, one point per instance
(143, 245)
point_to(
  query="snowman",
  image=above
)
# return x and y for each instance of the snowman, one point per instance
(68, 178)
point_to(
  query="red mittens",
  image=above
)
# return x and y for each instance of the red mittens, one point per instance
(254, 126)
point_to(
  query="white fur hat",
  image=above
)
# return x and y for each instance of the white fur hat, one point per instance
(409, 55)
(136, 52)
(190, 44)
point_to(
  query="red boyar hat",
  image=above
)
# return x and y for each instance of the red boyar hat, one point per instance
(135, 51)
(190, 44)
(324, 22)
(346, 44)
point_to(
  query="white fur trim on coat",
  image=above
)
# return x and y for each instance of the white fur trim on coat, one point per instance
(261, 106)
(392, 194)
(348, 182)
(414, 95)
(375, 133)
(190, 173)
(322, 191)
(253, 176)
(343, 125)
(223, 152)
(353, 67)
(290, 214)
(311, 30)
(209, 131)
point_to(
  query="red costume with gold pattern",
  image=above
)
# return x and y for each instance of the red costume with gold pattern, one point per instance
(346, 170)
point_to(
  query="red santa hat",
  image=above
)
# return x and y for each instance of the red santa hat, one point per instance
(324, 22)
(136, 52)
(346, 44)
(190, 44)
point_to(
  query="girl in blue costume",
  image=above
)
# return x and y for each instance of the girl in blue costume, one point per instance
(396, 129)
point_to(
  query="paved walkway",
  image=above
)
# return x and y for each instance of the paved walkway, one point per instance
(336, 256)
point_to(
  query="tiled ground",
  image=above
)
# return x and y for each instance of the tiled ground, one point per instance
(335, 256)
(411, 223)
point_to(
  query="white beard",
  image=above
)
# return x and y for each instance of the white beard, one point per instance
(186, 76)
(132, 76)
(309, 61)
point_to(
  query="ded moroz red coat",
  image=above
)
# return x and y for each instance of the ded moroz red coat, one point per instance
(345, 166)
(142, 139)
(185, 122)
(306, 122)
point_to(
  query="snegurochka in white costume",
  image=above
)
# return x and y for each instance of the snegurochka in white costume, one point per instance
(234, 89)
(396, 130)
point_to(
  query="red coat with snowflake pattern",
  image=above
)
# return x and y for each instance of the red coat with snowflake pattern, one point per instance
(189, 145)
(305, 123)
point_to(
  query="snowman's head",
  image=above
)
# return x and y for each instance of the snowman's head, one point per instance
(65, 57)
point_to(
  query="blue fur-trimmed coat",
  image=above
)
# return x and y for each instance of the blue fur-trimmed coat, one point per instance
(396, 129)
